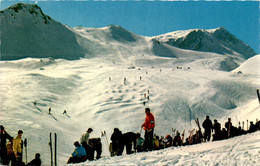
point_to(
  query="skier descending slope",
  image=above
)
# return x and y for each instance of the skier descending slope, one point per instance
(148, 126)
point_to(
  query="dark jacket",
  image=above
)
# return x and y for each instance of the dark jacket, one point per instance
(3, 137)
(35, 162)
(207, 124)
(217, 127)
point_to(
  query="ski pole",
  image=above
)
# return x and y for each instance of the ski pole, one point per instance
(247, 124)
(55, 149)
(25, 145)
(258, 95)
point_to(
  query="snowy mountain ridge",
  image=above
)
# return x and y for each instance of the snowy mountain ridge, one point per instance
(217, 40)
(38, 35)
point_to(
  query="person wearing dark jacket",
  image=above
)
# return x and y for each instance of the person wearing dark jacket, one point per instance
(96, 145)
(207, 125)
(229, 128)
(116, 138)
(127, 140)
(177, 140)
(252, 127)
(35, 162)
(3, 151)
(217, 130)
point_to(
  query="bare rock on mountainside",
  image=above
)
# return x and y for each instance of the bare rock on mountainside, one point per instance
(216, 40)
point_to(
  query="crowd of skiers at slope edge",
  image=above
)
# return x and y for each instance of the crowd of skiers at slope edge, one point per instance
(152, 142)
(86, 148)
(11, 152)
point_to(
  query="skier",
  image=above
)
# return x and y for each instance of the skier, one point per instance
(84, 140)
(168, 140)
(50, 110)
(79, 154)
(207, 125)
(177, 140)
(10, 153)
(65, 112)
(217, 130)
(95, 144)
(18, 148)
(229, 128)
(36, 161)
(116, 138)
(252, 127)
(3, 153)
(127, 140)
(139, 143)
(156, 143)
(34, 103)
(148, 126)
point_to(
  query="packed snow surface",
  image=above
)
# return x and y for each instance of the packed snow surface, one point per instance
(251, 66)
(179, 92)
(240, 151)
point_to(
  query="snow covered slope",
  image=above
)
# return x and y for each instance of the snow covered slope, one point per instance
(82, 87)
(251, 66)
(27, 32)
(214, 40)
(240, 151)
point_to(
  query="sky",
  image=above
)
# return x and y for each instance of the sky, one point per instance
(152, 18)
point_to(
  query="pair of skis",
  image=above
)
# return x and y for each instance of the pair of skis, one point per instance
(104, 136)
(200, 132)
(55, 149)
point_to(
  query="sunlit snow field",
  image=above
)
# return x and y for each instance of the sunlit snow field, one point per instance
(95, 95)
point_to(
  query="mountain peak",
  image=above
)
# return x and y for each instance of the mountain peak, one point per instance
(218, 40)
(25, 8)
(120, 34)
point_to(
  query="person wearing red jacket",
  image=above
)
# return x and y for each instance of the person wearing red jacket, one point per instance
(148, 126)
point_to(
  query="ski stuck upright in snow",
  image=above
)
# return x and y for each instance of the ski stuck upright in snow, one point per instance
(53, 155)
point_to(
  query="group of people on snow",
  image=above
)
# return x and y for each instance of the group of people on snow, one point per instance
(85, 149)
(12, 151)
(88, 146)
(133, 142)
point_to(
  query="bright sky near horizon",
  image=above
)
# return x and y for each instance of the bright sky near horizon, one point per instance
(151, 18)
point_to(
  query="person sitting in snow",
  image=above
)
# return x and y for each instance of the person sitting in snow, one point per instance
(156, 143)
(78, 155)
(139, 143)
(35, 162)
(168, 141)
